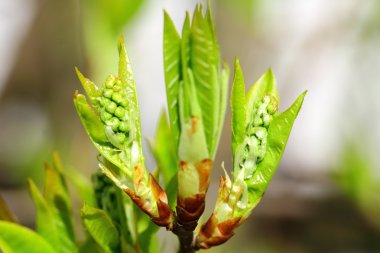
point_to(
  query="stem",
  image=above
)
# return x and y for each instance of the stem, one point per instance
(185, 234)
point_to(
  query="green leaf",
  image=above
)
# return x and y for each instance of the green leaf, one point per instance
(171, 190)
(5, 212)
(193, 144)
(90, 246)
(95, 130)
(57, 197)
(238, 115)
(17, 239)
(278, 134)
(172, 68)
(223, 105)
(148, 238)
(265, 85)
(90, 121)
(82, 186)
(164, 150)
(126, 76)
(205, 65)
(101, 228)
(183, 99)
(125, 70)
(55, 188)
(51, 223)
(90, 88)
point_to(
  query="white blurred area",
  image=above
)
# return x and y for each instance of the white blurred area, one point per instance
(15, 20)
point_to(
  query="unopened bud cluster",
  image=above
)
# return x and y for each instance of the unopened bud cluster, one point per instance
(252, 150)
(115, 114)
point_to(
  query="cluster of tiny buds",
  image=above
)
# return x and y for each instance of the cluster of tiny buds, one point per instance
(114, 111)
(264, 111)
(254, 146)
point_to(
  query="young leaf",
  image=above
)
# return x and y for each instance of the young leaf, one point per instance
(164, 150)
(89, 87)
(51, 224)
(172, 68)
(57, 197)
(95, 130)
(17, 239)
(205, 66)
(238, 115)
(265, 85)
(82, 186)
(148, 240)
(126, 76)
(90, 120)
(223, 105)
(278, 134)
(101, 228)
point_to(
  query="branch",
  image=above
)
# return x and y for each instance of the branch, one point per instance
(185, 234)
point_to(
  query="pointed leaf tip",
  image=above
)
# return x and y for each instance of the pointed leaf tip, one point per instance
(121, 42)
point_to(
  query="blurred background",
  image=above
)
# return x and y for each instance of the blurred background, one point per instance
(325, 196)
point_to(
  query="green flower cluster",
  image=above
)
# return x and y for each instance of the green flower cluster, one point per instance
(115, 113)
(253, 149)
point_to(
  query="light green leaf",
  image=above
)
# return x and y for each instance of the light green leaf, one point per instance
(82, 186)
(51, 223)
(90, 88)
(193, 145)
(101, 228)
(126, 76)
(183, 99)
(278, 134)
(238, 116)
(57, 197)
(205, 66)
(5, 212)
(55, 188)
(223, 106)
(17, 239)
(90, 120)
(148, 238)
(164, 150)
(172, 68)
(265, 85)
(95, 130)
(185, 47)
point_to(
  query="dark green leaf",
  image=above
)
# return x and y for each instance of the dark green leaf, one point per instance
(101, 228)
